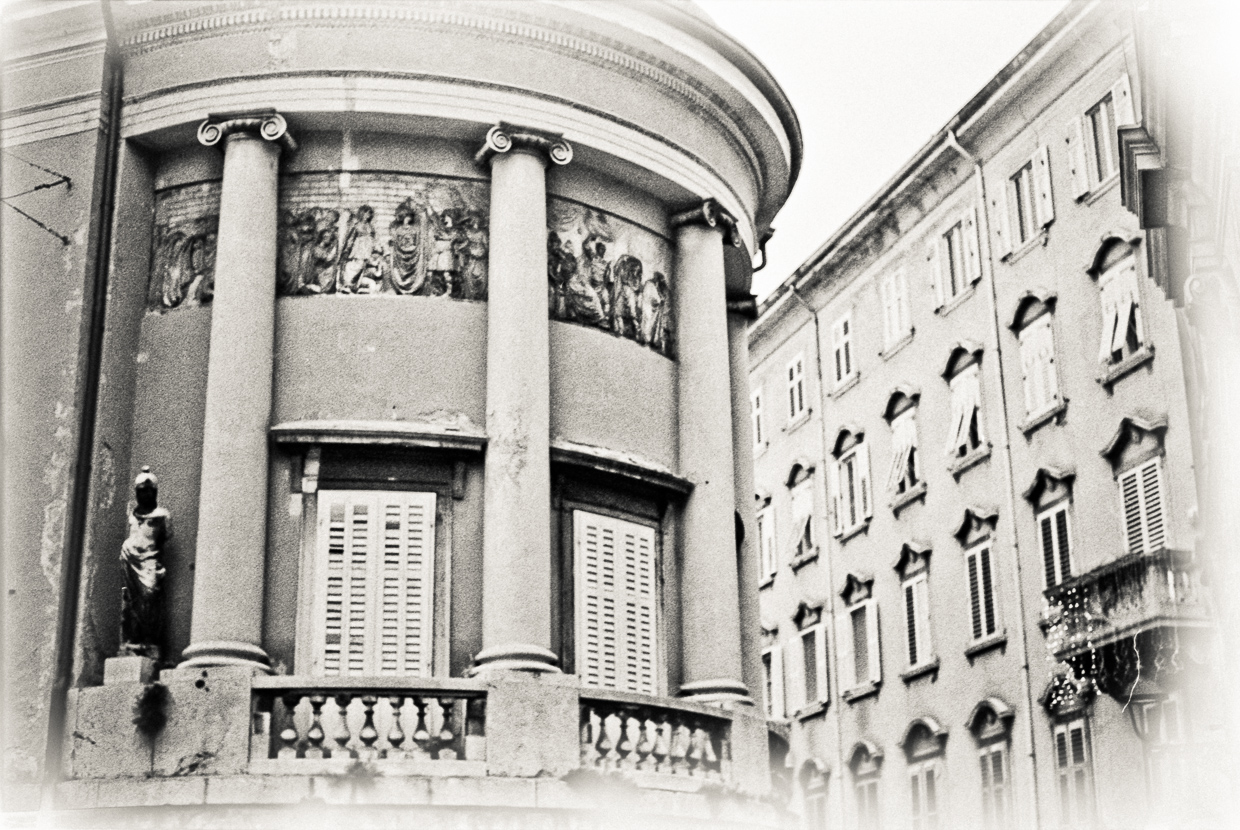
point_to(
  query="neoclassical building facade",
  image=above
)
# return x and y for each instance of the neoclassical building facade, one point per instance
(422, 329)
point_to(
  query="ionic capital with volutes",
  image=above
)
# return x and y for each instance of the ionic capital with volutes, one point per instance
(266, 124)
(712, 215)
(504, 138)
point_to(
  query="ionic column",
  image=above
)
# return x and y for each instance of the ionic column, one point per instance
(516, 542)
(710, 617)
(232, 502)
(740, 312)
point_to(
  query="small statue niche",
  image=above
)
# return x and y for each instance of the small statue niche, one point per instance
(142, 598)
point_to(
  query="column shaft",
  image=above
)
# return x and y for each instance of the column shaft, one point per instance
(232, 516)
(516, 550)
(710, 617)
(742, 471)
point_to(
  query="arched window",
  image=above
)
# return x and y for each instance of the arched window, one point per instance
(1123, 332)
(904, 473)
(923, 743)
(1032, 324)
(865, 762)
(851, 494)
(966, 439)
(990, 723)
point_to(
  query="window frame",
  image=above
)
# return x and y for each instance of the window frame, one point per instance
(980, 578)
(996, 800)
(757, 420)
(1076, 803)
(910, 469)
(1020, 193)
(1121, 275)
(857, 500)
(802, 500)
(774, 695)
(1137, 472)
(1091, 143)
(847, 638)
(768, 560)
(918, 641)
(1037, 354)
(897, 316)
(919, 772)
(1024, 205)
(843, 354)
(969, 375)
(822, 692)
(1057, 563)
(796, 388)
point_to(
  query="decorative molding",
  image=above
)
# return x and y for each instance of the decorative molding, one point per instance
(1134, 361)
(914, 557)
(957, 466)
(454, 437)
(67, 116)
(1029, 296)
(903, 500)
(269, 125)
(1056, 413)
(709, 214)
(962, 348)
(861, 692)
(989, 711)
(626, 465)
(857, 587)
(937, 732)
(847, 383)
(997, 640)
(975, 521)
(1048, 477)
(504, 138)
(1131, 428)
(920, 670)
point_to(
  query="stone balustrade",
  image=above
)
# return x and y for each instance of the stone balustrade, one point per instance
(629, 732)
(327, 723)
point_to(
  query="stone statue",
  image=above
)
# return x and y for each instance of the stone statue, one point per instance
(142, 598)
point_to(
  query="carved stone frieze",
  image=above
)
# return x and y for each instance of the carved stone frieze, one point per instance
(183, 247)
(608, 273)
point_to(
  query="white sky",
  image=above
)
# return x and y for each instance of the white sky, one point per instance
(871, 81)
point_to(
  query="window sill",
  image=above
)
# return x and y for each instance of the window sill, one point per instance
(992, 642)
(759, 449)
(918, 491)
(890, 351)
(861, 692)
(1055, 413)
(846, 384)
(863, 527)
(803, 560)
(959, 465)
(1038, 240)
(1101, 189)
(813, 710)
(1115, 371)
(955, 302)
(921, 670)
(766, 582)
(799, 421)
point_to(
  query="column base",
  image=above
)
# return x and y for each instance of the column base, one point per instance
(224, 653)
(514, 657)
(716, 691)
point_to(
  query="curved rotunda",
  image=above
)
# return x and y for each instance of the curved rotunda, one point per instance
(434, 318)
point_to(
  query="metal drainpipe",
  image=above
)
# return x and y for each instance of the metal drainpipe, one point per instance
(89, 370)
(1006, 455)
(826, 560)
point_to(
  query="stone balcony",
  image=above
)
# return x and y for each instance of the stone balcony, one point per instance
(442, 748)
(1112, 620)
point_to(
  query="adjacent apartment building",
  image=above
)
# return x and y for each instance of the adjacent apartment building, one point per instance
(982, 602)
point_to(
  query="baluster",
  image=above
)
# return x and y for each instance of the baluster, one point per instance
(605, 744)
(446, 745)
(680, 745)
(421, 737)
(710, 759)
(625, 744)
(694, 755)
(586, 744)
(368, 734)
(725, 754)
(396, 735)
(342, 731)
(315, 735)
(662, 743)
(288, 735)
(645, 743)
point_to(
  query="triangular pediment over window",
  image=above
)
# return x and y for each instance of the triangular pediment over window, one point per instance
(976, 524)
(1136, 439)
(857, 587)
(1049, 485)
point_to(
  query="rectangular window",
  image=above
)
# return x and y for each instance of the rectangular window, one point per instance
(1037, 357)
(755, 413)
(859, 657)
(966, 421)
(924, 791)
(766, 542)
(867, 803)
(814, 663)
(852, 488)
(981, 593)
(904, 473)
(1122, 333)
(1100, 120)
(617, 603)
(1093, 145)
(860, 643)
(843, 349)
(1056, 545)
(953, 262)
(893, 291)
(796, 388)
(374, 583)
(773, 682)
(1072, 762)
(816, 808)
(803, 518)
(1169, 762)
(1020, 190)
(917, 620)
(1143, 504)
(996, 793)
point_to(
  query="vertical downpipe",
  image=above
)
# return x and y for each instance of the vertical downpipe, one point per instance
(90, 356)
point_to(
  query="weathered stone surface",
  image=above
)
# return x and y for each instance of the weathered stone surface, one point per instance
(135, 669)
(533, 725)
(383, 790)
(151, 792)
(104, 742)
(76, 795)
(482, 792)
(751, 772)
(208, 729)
(257, 789)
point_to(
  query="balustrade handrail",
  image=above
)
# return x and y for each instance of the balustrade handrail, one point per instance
(617, 696)
(442, 686)
(1164, 557)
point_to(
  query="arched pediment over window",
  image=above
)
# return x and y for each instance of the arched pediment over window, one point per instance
(1115, 246)
(864, 757)
(814, 772)
(1031, 305)
(846, 437)
(901, 399)
(800, 470)
(1135, 440)
(1065, 696)
(964, 354)
(976, 523)
(914, 557)
(923, 737)
(1049, 484)
(990, 719)
(857, 587)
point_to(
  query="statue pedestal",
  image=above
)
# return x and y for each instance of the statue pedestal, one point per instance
(133, 669)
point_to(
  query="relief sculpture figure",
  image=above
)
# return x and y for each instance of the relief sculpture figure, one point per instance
(297, 243)
(561, 265)
(359, 242)
(442, 271)
(407, 232)
(599, 273)
(472, 252)
(326, 252)
(654, 313)
(585, 305)
(142, 598)
(626, 311)
(184, 264)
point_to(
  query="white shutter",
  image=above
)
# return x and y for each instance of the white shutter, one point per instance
(904, 319)
(1003, 221)
(374, 583)
(872, 642)
(1121, 100)
(777, 682)
(1047, 352)
(864, 491)
(972, 247)
(1077, 169)
(1031, 372)
(1130, 494)
(820, 663)
(922, 606)
(837, 498)
(1109, 301)
(1151, 495)
(616, 603)
(936, 270)
(886, 298)
(844, 650)
(1044, 203)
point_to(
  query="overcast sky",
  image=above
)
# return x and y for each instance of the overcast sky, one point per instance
(871, 81)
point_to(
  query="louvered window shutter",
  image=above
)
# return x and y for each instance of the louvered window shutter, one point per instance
(975, 595)
(1077, 169)
(936, 271)
(921, 598)
(837, 498)
(860, 643)
(1064, 543)
(616, 603)
(1130, 493)
(872, 643)
(777, 683)
(1045, 526)
(408, 579)
(1151, 492)
(1002, 226)
(1044, 203)
(863, 475)
(844, 650)
(972, 247)
(910, 620)
(1121, 100)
